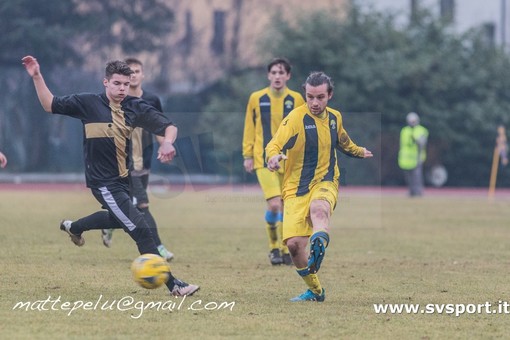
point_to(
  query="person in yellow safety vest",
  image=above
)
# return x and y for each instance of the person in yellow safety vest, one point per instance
(412, 153)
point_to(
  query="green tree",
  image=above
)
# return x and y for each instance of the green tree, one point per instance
(57, 30)
(456, 82)
(62, 34)
(223, 117)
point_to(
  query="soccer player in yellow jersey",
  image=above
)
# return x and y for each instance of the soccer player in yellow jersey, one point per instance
(265, 110)
(308, 139)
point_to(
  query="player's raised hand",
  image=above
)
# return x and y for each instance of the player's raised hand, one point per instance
(273, 163)
(166, 152)
(31, 65)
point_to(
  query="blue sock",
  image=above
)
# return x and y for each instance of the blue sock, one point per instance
(271, 217)
(280, 216)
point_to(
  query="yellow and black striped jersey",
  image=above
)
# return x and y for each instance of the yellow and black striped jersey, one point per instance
(142, 141)
(264, 113)
(310, 144)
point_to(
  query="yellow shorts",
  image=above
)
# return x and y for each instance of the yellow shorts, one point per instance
(270, 182)
(296, 210)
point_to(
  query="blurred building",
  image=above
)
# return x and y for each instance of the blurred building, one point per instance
(211, 37)
(491, 15)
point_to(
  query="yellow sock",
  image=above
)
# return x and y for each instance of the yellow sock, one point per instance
(279, 230)
(312, 281)
(272, 235)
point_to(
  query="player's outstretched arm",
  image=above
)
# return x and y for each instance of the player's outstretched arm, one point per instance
(43, 93)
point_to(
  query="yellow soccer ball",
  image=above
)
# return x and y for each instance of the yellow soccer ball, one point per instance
(150, 271)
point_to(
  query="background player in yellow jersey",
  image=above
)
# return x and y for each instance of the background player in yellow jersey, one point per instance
(265, 110)
(308, 139)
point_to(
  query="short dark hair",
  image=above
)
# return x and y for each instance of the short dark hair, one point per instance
(132, 60)
(318, 78)
(279, 61)
(117, 67)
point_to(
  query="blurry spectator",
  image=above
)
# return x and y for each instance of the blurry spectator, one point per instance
(412, 153)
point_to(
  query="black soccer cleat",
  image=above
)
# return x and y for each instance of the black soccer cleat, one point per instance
(287, 260)
(275, 257)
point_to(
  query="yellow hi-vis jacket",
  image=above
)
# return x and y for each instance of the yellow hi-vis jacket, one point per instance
(412, 147)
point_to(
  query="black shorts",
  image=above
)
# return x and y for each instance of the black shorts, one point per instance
(115, 198)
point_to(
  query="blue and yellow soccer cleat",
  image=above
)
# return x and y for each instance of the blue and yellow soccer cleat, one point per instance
(317, 251)
(309, 296)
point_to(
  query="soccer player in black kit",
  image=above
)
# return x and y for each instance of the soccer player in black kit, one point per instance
(141, 154)
(108, 120)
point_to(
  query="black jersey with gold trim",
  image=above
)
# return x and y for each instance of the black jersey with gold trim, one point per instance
(107, 131)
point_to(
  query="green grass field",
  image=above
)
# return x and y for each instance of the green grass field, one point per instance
(441, 249)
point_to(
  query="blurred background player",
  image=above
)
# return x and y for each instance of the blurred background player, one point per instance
(265, 110)
(142, 147)
(413, 152)
(108, 119)
(308, 139)
(3, 160)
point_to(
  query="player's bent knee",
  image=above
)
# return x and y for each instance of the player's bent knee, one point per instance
(319, 214)
(320, 209)
(294, 246)
(274, 204)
